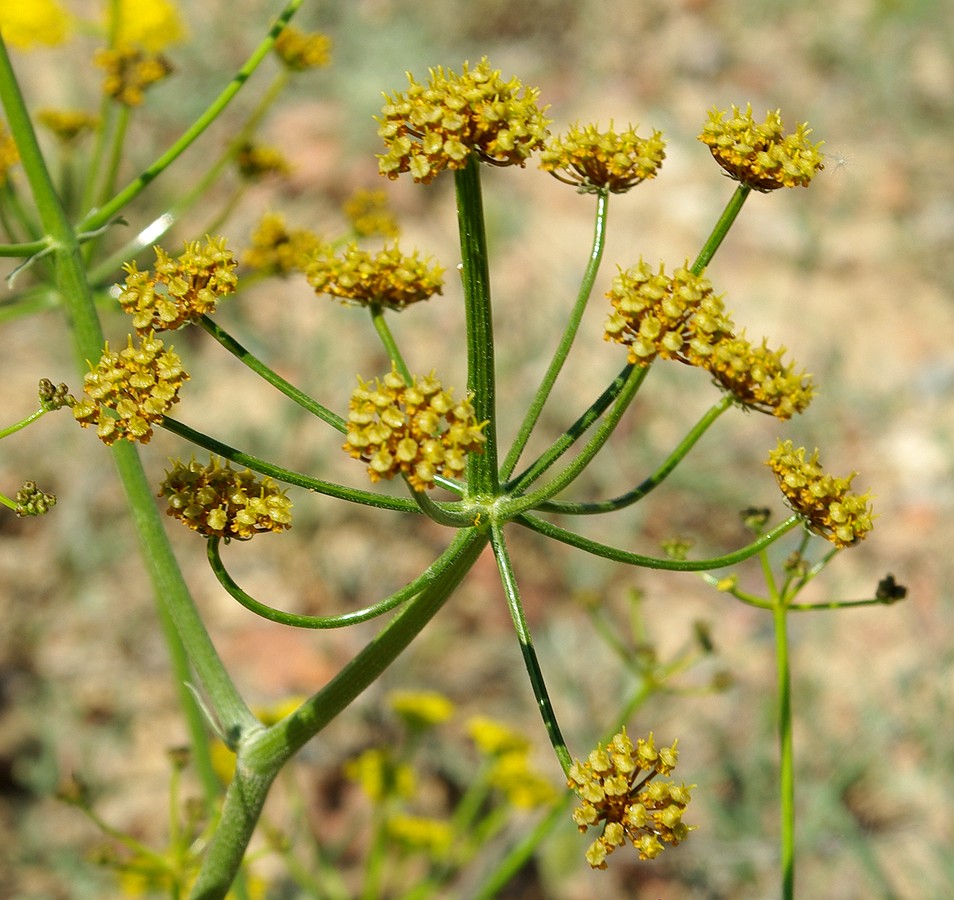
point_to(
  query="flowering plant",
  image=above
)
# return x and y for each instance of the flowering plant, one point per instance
(438, 440)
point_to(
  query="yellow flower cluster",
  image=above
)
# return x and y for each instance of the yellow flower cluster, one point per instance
(595, 160)
(256, 161)
(39, 22)
(826, 501)
(421, 709)
(128, 391)
(369, 214)
(431, 836)
(388, 278)
(437, 126)
(618, 793)
(130, 71)
(299, 50)
(511, 771)
(9, 154)
(417, 430)
(279, 250)
(679, 317)
(149, 24)
(67, 124)
(381, 776)
(217, 500)
(181, 290)
(31, 501)
(761, 156)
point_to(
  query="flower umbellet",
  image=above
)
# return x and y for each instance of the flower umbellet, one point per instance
(216, 500)
(257, 161)
(369, 214)
(827, 502)
(595, 160)
(299, 50)
(181, 290)
(437, 126)
(130, 71)
(388, 277)
(128, 391)
(620, 794)
(37, 23)
(417, 430)
(276, 249)
(760, 155)
(9, 155)
(150, 24)
(68, 125)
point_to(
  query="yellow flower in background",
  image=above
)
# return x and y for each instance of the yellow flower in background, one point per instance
(9, 155)
(149, 24)
(421, 709)
(30, 23)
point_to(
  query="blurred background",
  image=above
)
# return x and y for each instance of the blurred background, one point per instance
(855, 276)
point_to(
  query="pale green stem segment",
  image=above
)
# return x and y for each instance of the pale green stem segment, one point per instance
(263, 752)
(24, 251)
(786, 751)
(512, 591)
(648, 484)
(105, 214)
(183, 628)
(272, 377)
(548, 529)
(340, 621)
(721, 229)
(566, 342)
(482, 480)
(390, 345)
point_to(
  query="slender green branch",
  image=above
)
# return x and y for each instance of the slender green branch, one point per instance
(482, 476)
(589, 451)
(343, 620)
(574, 432)
(721, 229)
(287, 476)
(390, 345)
(566, 342)
(512, 591)
(547, 529)
(653, 481)
(101, 216)
(272, 377)
(786, 751)
(25, 250)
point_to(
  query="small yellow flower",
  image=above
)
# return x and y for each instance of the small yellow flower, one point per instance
(389, 278)
(381, 776)
(129, 72)
(129, 391)
(68, 125)
(9, 154)
(619, 793)
(761, 156)
(149, 24)
(493, 738)
(675, 317)
(278, 250)
(299, 51)
(437, 126)
(256, 161)
(30, 23)
(513, 775)
(217, 500)
(181, 290)
(831, 509)
(431, 836)
(595, 160)
(421, 709)
(369, 214)
(417, 430)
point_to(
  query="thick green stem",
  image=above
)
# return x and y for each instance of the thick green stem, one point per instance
(475, 272)
(786, 752)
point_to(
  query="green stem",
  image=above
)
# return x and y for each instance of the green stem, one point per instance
(512, 591)
(24, 250)
(569, 334)
(786, 752)
(648, 484)
(105, 214)
(263, 752)
(482, 476)
(183, 629)
(650, 562)
(390, 345)
(721, 229)
(273, 378)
